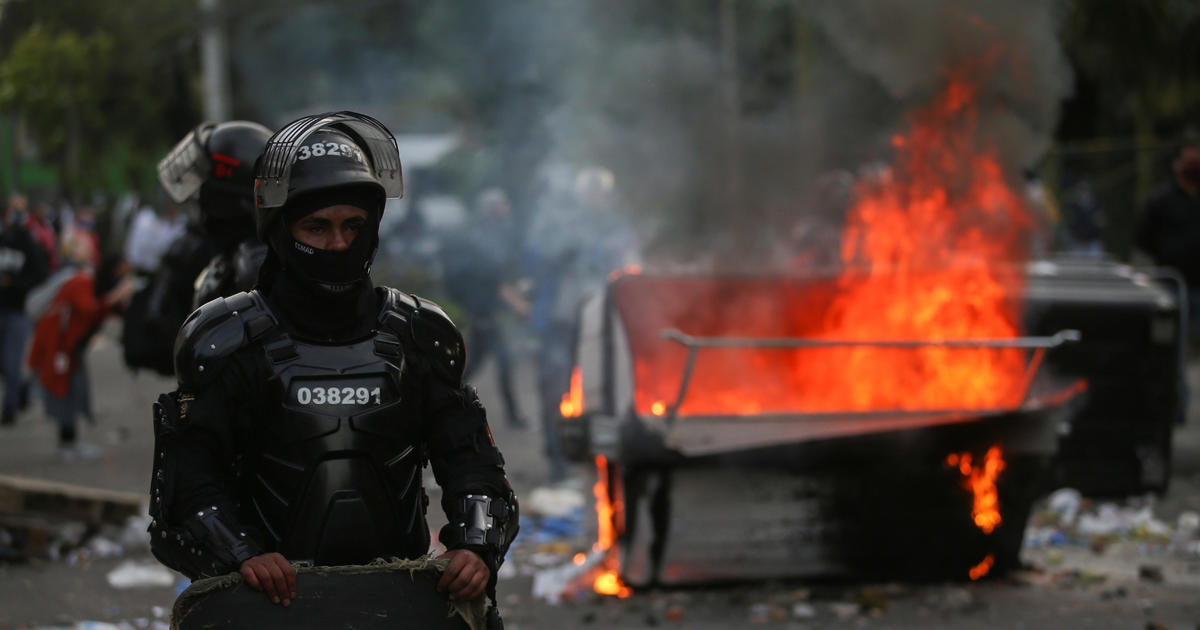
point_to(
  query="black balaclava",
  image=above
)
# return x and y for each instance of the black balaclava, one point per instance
(228, 218)
(324, 295)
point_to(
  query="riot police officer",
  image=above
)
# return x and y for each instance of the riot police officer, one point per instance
(215, 258)
(308, 407)
(217, 161)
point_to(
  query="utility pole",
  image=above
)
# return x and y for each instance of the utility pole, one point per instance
(214, 59)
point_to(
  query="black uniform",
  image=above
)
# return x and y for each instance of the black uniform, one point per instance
(275, 443)
(232, 271)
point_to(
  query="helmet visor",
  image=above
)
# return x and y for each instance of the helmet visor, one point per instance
(185, 167)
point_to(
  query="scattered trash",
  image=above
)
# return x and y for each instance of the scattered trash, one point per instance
(1064, 504)
(953, 600)
(134, 574)
(1188, 524)
(1076, 578)
(552, 584)
(1068, 520)
(543, 529)
(844, 610)
(552, 502)
(101, 547)
(801, 610)
(1150, 573)
(767, 613)
(871, 598)
(130, 624)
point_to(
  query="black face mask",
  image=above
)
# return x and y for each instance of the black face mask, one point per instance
(330, 273)
(327, 273)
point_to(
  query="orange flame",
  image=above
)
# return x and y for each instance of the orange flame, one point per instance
(627, 270)
(572, 401)
(607, 582)
(930, 249)
(605, 534)
(982, 568)
(981, 481)
(659, 408)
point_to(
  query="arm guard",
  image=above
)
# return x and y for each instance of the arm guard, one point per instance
(484, 524)
(209, 542)
(481, 508)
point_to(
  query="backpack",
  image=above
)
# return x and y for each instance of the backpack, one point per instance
(39, 298)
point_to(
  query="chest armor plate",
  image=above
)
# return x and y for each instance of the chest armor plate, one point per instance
(338, 480)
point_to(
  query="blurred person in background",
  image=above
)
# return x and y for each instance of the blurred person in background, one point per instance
(22, 267)
(41, 226)
(478, 267)
(62, 331)
(227, 209)
(1082, 224)
(84, 222)
(576, 240)
(1169, 228)
(150, 235)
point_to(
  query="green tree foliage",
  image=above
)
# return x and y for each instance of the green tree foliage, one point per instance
(53, 80)
(104, 87)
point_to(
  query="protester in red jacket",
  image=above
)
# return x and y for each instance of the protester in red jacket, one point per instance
(60, 338)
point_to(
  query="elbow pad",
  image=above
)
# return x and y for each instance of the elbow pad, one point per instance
(203, 546)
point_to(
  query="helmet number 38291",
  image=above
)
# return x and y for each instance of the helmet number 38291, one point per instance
(323, 149)
(337, 396)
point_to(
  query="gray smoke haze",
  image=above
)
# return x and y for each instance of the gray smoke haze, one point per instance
(708, 191)
(644, 90)
(907, 47)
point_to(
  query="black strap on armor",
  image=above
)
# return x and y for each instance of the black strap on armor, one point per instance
(478, 522)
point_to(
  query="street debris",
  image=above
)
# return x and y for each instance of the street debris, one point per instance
(140, 574)
(1071, 521)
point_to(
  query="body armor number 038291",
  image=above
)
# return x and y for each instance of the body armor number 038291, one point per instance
(339, 439)
(338, 480)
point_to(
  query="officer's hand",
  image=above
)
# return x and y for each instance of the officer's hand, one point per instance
(272, 574)
(466, 576)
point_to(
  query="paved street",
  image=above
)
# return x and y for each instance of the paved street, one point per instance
(1068, 587)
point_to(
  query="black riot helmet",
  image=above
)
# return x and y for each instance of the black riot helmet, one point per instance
(321, 161)
(217, 159)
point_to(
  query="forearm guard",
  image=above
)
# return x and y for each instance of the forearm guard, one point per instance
(484, 524)
(202, 546)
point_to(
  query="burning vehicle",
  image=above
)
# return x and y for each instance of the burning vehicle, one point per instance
(896, 419)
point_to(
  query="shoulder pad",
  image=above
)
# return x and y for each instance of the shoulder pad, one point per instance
(431, 332)
(214, 332)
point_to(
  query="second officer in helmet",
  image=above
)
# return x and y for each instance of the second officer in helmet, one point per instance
(307, 408)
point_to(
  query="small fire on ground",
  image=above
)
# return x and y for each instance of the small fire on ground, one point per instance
(609, 512)
(980, 479)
